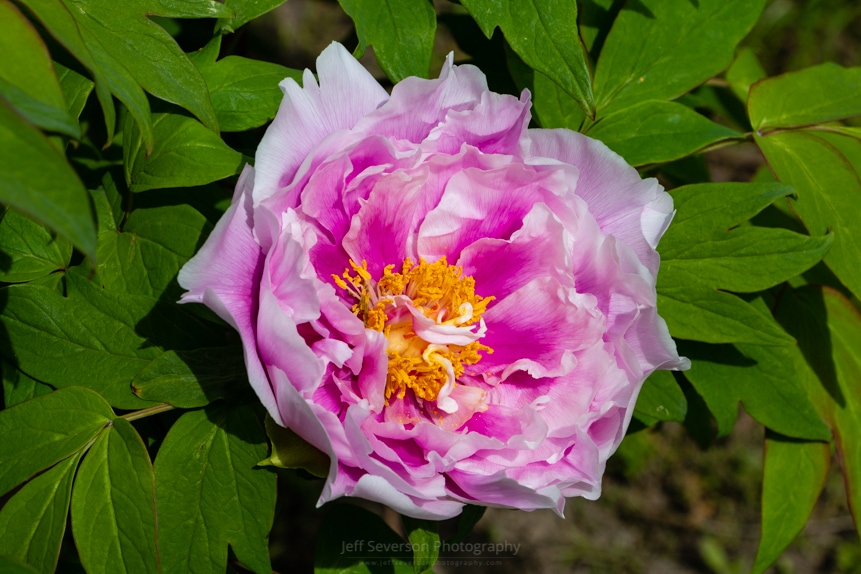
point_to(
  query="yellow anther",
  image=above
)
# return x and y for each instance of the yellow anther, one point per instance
(442, 293)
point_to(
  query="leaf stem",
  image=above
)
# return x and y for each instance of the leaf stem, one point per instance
(148, 412)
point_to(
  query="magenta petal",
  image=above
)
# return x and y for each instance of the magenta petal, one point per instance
(225, 276)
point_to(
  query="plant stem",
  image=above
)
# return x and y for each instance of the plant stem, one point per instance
(148, 412)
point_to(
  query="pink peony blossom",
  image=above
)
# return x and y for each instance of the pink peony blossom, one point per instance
(455, 308)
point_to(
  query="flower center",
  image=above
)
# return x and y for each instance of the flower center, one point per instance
(431, 317)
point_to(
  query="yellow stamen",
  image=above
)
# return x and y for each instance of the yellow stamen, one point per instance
(442, 293)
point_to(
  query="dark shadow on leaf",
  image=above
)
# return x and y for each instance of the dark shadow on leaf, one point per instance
(489, 55)
(802, 313)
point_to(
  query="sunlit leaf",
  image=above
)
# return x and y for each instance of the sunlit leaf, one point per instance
(401, 32)
(113, 506)
(660, 49)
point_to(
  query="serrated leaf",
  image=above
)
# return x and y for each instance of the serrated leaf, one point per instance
(18, 387)
(657, 132)
(195, 378)
(28, 81)
(661, 398)
(544, 34)
(28, 250)
(401, 32)
(210, 494)
(765, 380)
(827, 187)
(245, 92)
(744, 72)
(185, 154)
(113, 506)
(289, 450)
(37, 180)
(660, 49)
(828, 328)
(43, 431)
(820, 94)
(33, 521)
(352, 540)
(244, 12)
(115, 335)
(792, 480)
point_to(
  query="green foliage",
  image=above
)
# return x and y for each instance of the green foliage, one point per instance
(209, 493)
(93, 235)
(290, 451)
(786, 505)
(113, 511)
(658, 132)
(660, 49)
(401, 32)
(543, 34)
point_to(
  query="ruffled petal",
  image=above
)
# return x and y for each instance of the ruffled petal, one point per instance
(634, 210)
(347, 93)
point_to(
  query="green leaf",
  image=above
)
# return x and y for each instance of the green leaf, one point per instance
(815, 95)
(661, 49)
(661, 398)
(28, 250)
(289, 450)
(828, 188)
(245, 92)
(553, 107)
(38, 113)
(792, 480)
(698, 312)
(744, 72)
(210, 494)
(146, 256)
(401, 31)
(38, 181)
(18, 387)
(544, 34)
(352, 540)
(76, 89)
(43, 431)
(705, 250)
(115, 336)
(28, 81)
(828, 328)
(185, 154)
(195, 378)
(33, 521)
(424, 538)
(657, 132)
(9, 565)
(113, 506)
(244, 11)
(765, 380)
(746, 259)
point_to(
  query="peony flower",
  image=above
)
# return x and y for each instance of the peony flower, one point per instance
(455, 308)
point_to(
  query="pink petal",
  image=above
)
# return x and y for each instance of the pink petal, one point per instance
(347, 92)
